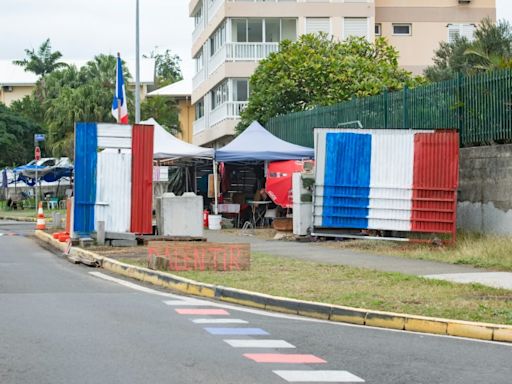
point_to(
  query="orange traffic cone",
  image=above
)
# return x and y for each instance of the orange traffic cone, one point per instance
(40, 224)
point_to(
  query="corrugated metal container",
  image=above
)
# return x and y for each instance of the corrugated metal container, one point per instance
(114, 136)
(86, 144)
(113, 192)
(436, 175)
(386, 180)
(142, 179)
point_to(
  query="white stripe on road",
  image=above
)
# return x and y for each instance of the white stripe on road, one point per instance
(219, 321)
(319, 376)
(248, 343)
(133, 286)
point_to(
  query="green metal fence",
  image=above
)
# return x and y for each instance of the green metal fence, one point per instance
(480, 107)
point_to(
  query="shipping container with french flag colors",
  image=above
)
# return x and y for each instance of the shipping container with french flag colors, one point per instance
(390, 180)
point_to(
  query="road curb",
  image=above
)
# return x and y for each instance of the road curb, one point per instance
(336, 313)
(24, 219)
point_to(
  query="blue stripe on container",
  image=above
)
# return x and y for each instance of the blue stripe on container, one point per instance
(86, 148)
(347, 180)
(235, 331)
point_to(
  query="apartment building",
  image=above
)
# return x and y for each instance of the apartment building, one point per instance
(231, 36)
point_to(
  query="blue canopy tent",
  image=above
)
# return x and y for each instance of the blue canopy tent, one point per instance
(258, 144)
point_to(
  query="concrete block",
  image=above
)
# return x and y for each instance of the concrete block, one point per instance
(86, 242)
(120, 236)
(124, 243)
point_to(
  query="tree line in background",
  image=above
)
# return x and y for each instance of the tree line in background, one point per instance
(65, 94)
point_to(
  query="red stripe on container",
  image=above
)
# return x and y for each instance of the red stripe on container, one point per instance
(435, 182)
(200, 311)
(142, 179)
(283, 358)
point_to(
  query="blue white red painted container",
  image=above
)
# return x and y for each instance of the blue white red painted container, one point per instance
(113, 177)
(398, 180)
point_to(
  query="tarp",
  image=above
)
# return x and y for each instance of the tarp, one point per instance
(166, 146)
(258, 144)
(279, 181)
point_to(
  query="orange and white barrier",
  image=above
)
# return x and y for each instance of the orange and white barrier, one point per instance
(41, 222)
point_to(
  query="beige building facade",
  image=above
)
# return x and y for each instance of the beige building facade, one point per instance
(231, 36)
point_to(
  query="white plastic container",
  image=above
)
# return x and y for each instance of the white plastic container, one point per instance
(214, 222)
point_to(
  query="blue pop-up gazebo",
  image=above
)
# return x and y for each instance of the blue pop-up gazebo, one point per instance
(258, 144)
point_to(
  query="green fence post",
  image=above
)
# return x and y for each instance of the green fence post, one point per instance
(385, 107)
(460, 103)
(406, 109)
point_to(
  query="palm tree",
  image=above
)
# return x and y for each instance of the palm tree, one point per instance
(43, 61)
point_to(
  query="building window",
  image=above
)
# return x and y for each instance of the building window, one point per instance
(218, 39)
(461, 30)
(318, 24)
(198, 60)
(402, 29)
(198, 17)
(355, 26)
(220, 95)
(199, 107)
(263, 30)
(240, 90)
(378, 29)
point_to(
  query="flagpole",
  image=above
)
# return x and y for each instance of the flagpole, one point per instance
(117, 87)
(137, 65)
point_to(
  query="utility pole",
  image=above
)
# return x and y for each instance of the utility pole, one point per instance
(137, 65)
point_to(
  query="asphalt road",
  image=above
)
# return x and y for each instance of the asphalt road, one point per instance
(62, 323)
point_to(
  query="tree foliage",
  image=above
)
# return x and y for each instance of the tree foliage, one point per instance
(43, 61)
(16, 137)
(317, 71)
(490, 49)
(162, 109)
(167, 68)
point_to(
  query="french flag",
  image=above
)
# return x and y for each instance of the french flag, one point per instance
(119, 108)
(387, 180)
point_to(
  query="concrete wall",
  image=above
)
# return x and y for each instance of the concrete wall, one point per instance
(485, 191)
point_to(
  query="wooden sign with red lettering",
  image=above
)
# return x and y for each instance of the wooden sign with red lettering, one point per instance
(198, 256)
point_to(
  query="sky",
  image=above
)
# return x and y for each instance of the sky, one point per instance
(81, 29)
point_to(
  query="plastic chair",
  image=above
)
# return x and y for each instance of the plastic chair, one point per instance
(270, 215)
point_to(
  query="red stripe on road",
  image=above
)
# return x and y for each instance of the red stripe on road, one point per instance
(283, 358)
(196, 311)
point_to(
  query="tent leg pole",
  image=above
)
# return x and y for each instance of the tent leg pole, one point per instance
(215, 189)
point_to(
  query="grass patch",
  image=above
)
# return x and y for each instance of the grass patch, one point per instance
(478, 250)
(355, 287)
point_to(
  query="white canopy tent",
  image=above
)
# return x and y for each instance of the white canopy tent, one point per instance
(168, 147)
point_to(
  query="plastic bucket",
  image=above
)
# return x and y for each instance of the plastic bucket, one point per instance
(214, 222)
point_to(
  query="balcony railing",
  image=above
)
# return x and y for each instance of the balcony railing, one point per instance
(198, 78)
(249, 51)
(198, 125)
(228, 110)
(240, 52)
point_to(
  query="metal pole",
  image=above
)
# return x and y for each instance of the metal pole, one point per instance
(215, 189)
(137, 66)
(35, 189)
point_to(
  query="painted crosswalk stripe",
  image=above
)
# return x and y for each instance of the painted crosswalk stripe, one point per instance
(201, 311)
(236, 343)
(283, 358)
(219, 321)
(319, 377)
(236, 331)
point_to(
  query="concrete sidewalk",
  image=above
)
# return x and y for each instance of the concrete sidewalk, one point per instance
(319, 253)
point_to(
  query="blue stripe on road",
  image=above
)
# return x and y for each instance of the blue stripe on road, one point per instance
(236, 331)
